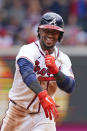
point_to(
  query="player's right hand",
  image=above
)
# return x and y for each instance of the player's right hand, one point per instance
(50, 63)
(48, 105)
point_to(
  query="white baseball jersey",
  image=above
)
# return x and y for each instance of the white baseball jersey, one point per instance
(33, 52)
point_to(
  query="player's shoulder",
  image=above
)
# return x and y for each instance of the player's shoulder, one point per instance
(29, 51)
(62, 54)
(29, 46)
(64, 57)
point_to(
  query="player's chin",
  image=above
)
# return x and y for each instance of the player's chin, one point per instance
(50, 44)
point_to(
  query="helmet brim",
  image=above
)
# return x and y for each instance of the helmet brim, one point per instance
(51, 27)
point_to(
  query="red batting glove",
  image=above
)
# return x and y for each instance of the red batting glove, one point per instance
(48, 104)
(50, 63)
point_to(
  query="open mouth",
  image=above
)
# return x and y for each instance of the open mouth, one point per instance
(49, 41)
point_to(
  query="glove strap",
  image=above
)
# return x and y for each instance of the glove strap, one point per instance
(54, 70)
(42, 94)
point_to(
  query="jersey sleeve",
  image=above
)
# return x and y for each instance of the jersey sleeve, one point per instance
(66, 66)
(27, 52)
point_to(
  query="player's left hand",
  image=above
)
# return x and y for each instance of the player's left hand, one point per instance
(48, 105)
(50, 63)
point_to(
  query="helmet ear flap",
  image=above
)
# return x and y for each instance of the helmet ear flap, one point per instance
(38, 33)
(60, 36)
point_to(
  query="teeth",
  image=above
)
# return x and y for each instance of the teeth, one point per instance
(49, 38)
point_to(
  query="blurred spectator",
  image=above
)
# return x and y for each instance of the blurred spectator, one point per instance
(74, 34)
(46, 4)
(64, 9)
(82, 8)
(5, 39)
(14, 28)
(78, 8)
(26, 35)
(3, 17)
(20, 18)
(71, 31)
(73, 8)
(17, 11)
(33, 13)
(82, 11)
(55, 6)
(1, 3)
(82, 38)
(7, 4)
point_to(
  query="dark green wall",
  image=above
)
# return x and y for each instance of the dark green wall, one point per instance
(78, 101)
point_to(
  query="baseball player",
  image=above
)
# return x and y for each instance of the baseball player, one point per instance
(41, 68)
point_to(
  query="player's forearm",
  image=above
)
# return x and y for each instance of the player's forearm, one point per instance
(34, 86)
(64, 82)
(28, 75)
